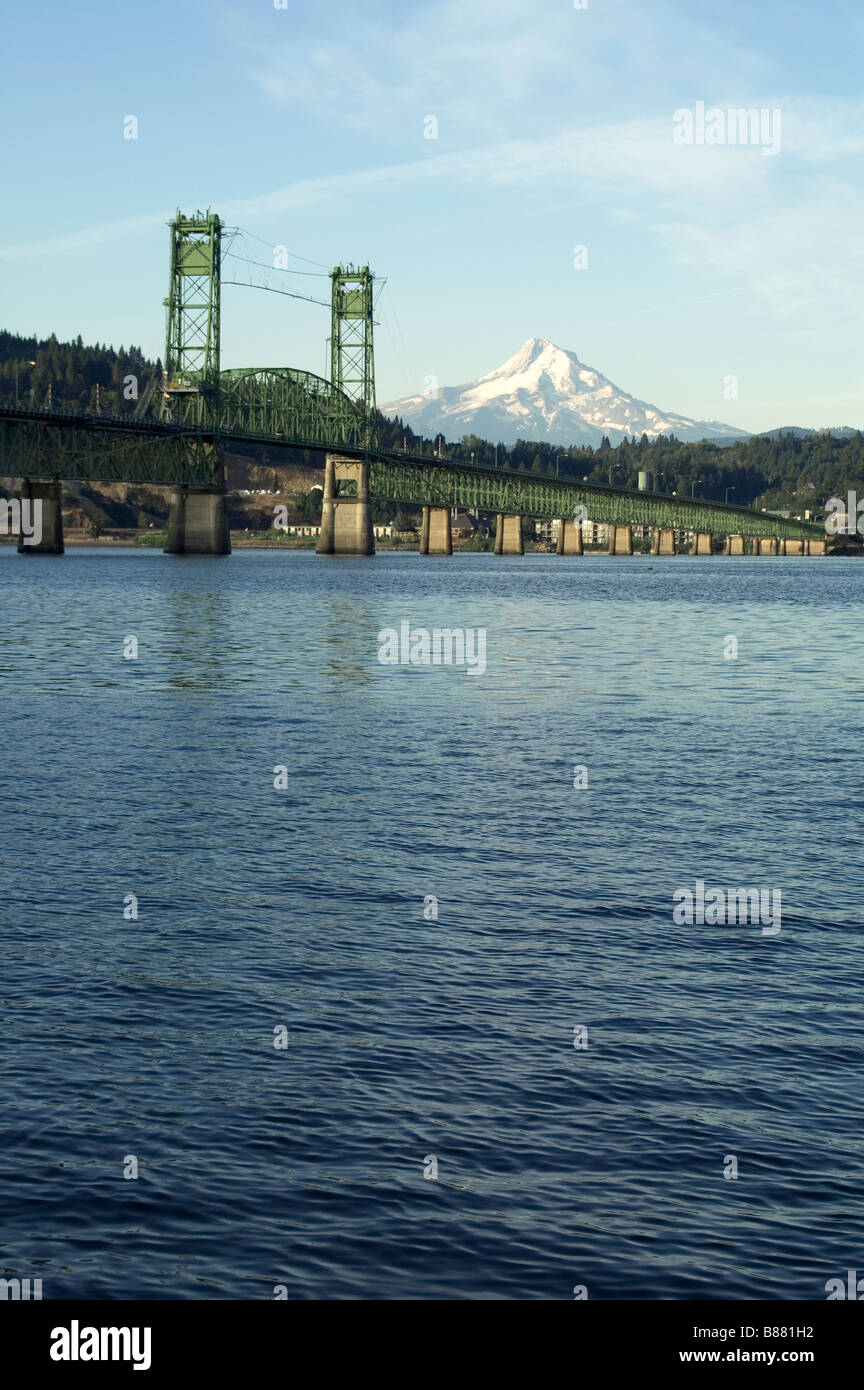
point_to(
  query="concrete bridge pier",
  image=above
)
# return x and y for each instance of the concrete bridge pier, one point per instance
(436, 536)
(701, 543)
(508, 535)
(665, 542)
(620, 540)
(197, 517)
(793, 547)
(765, 545)
(734, 545)
(816, 547)
(197, 522)
(49, 496)
(346, 508)
(569, 537)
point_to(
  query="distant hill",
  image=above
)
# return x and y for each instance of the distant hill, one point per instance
(835, 432)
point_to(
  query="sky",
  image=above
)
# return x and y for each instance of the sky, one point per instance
(463, 149)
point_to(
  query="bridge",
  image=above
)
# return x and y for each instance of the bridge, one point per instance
(177, 438)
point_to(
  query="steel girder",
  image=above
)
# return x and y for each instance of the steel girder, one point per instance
(290, 407)
(434, 483)
(42, 445)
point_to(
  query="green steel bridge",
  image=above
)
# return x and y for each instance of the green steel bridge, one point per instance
(180, 437)
(66, 447)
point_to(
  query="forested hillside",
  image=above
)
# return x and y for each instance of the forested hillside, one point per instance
(44, 371)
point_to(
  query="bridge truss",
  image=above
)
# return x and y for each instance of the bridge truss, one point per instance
(400, 478)
(303, 411)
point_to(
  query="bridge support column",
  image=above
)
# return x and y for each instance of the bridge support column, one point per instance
(701, 543)
(570, 537)
(508, 535)
(436, 536)
(665, 542)
(794, 547)
(817, 547)
(197, 522)
(765, 545)
(734, 545)
(346, 509)
(620, 540)
(49, 498)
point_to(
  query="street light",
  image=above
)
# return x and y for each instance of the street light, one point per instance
(31, 363)
(557, 457)
(728, 490)
(693, 486)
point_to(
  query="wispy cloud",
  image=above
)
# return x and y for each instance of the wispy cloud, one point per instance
(725, 212)
(491, 67)
(627, 156)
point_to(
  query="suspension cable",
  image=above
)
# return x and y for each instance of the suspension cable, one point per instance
(247, 284)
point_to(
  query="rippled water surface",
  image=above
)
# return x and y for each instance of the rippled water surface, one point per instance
(408, 1038)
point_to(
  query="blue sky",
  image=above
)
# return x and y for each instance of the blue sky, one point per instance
(305, 126)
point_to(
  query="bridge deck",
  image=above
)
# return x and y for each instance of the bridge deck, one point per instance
(64, 445)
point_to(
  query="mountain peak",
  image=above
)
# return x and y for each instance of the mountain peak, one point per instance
(544, 392)
(532, 350)
(535, 345)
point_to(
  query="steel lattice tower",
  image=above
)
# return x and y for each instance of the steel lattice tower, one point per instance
(352, 358)
(191, 391)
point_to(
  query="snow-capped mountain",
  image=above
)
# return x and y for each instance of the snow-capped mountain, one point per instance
(545, 393)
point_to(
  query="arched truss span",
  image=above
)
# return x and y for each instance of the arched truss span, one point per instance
(288, 404)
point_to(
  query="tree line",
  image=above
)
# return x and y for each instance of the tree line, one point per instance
(44, 371)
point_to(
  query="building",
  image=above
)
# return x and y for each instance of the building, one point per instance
(464, 525)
